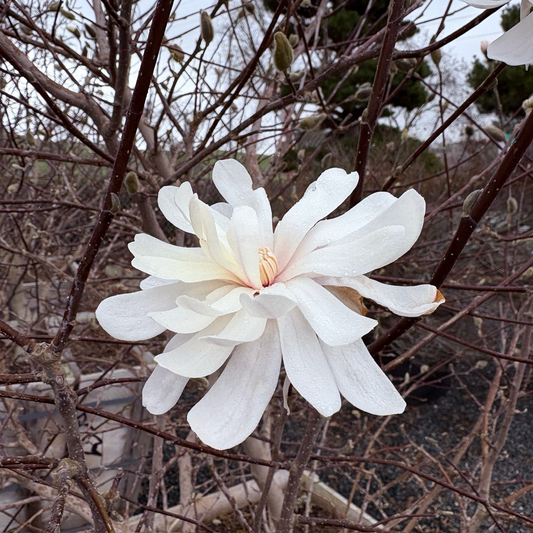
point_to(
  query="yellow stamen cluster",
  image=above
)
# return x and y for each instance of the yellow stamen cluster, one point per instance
(268, 266)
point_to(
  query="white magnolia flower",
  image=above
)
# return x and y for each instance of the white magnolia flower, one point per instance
(514, 47)
(251, 297)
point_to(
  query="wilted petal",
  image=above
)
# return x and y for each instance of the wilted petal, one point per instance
(306, 366)
(244, 240)
(361, 381)
(162, 390)
(174, 204)
(271, 302)
(233, 407)
(235, 185)
(354, 258)
(332, 321)
(409, 301)
(126, 316)
(514, 47)
(319, 200)
(241, 328)
(329, 231)
(197, 357)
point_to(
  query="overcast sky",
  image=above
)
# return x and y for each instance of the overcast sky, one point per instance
(467, 46)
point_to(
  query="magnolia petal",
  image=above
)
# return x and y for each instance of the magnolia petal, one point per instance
(407, 211)
(306, 366)
(145, 245)
(486, 4)
(197, 358)
(235, 185)
(241, 328)
(244, 240)
(357, 257)
(212, 238)
(361, 381)
(126, 316)
(331, 230)
(514, 47)
(182, 320)
(408, 301)
(271, 302)
(151, 281)
(174, 204)
(220, 302)
(162, 390)
(331, 320)
(187, 271)
(233, 407)
(319, 200)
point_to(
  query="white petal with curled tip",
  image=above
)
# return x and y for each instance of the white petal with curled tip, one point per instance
(272, 302)
(126, 316)
(197, 357)
(486, 4)
(162, 390)
(241, 328)
(361, 381)
(212, 238)
(235, 185)
(331, 230)
(174, 204)
(408, 301)
(514, 47)
(306, 366)
(353, 258)
(407, 211)
(331, 320)
(244, 239)
(233, 407)
(319, 200)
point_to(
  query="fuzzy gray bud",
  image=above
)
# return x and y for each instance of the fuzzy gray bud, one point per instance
(436, 56)
(89, 28)
(469, 202)
(364, 91)
(495, 132)
(313, 122)
(206, 27)
(115, 203)
(282, 52)
(67, 14)
(131, 182)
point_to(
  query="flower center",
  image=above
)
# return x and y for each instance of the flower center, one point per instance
(268, 266)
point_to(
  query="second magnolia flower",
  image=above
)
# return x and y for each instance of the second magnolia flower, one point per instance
(250, 298)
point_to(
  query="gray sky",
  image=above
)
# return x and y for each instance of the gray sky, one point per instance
(467, 46)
